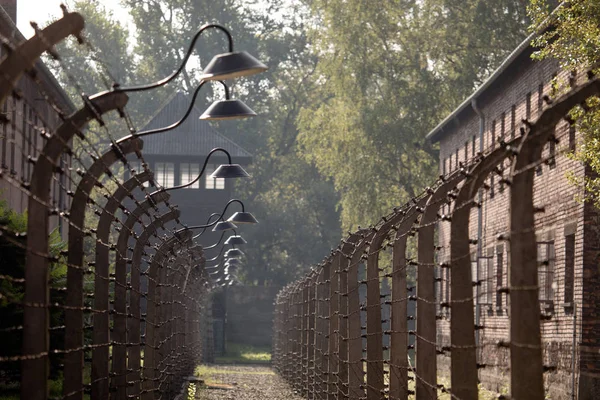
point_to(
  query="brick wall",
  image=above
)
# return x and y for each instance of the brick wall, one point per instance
(512, 97)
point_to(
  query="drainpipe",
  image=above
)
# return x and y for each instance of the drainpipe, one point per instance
(479, 225)
(573, 351)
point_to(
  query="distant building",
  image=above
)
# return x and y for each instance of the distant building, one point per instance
(27, 116)
(177, 156)
(567, 231)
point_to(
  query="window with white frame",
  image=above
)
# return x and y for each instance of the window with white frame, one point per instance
(546, 260)
(164, 174)
(188, 172)
(213, 183)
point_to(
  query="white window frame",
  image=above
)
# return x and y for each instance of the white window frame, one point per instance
(187, 173)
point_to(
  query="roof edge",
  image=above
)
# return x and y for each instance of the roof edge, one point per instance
(435, 134)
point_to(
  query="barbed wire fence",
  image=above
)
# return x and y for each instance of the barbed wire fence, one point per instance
(72, 316)
(340, 334)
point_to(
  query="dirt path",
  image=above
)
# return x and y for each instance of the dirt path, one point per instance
(229, 382)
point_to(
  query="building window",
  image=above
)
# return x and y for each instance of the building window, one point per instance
(493, 134)
(540, 100)
(572, 137)
(213, 183)
(499, 274)
(502, 125)
(473, 146)
(546, 276)
(4, 134)
(456, 159)
(552, 151)
(569, 271)
(488, 274)
(164, 174)
(450, 163)
(188, 172)
(513, 119)
(444, 167)
(466, 151)
(528, 107)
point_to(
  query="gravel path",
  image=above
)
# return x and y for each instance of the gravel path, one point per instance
(237, 382)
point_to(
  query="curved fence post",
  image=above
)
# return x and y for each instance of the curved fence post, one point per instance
(344, 256)
(426, 386)
(35, 318)
(134, 339)
(356, 374)
(100, 355)
(463, 358)
(24, 56)
(525, 338)
(163, 251)
(73, 370)
(119, 339)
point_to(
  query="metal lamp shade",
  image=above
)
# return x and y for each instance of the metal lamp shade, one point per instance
(233, 253)
(227, 109)
(243, 218)
(230, 171)
(232, 65)
(236, 240)
(224, 226)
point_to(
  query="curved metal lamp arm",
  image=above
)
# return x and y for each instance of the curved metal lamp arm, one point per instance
(201, 171)
(185, 116)
(169, 78)
(217, 256)
(208, 223)
(216, 244)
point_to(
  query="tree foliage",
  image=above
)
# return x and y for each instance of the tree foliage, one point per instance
(389, 71)
(570, 33)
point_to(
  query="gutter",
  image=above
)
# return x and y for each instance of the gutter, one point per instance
(435, 135)
(479, 222)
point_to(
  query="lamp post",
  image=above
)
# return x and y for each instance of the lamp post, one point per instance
(223, 66)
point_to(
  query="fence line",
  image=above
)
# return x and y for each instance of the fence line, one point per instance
(73, 311)
(331, 345)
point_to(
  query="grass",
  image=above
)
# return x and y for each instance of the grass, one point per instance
(245, 354)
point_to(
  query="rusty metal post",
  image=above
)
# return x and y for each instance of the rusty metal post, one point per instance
(304, 333)
(426, 385)
(356, 374)
(324, 331)
(343, 265)
(119, 337)
(134, 341)
(24, 56)
(73, 370)
(525, 336)
(101, 333)
(399, 366)
(163, 251)
(464, 378)
(36, 320)
(375, 383)
(334, 338)
(312, 312)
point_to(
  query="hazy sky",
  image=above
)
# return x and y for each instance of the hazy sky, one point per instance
(41, 11)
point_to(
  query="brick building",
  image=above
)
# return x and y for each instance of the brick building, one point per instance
(567, 231)
(28, 116)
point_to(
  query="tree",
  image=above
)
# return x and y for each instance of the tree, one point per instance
(571, 34)
(389, 72)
